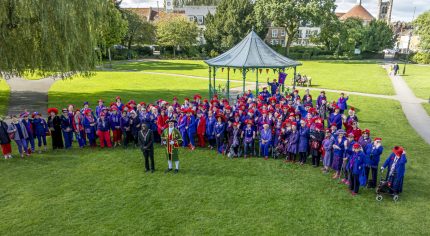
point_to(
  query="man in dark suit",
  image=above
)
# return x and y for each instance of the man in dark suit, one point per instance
(146, 143)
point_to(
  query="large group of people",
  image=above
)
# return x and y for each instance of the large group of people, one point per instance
(268, 125)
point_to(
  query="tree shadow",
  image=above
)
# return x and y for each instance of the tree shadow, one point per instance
(159, 65)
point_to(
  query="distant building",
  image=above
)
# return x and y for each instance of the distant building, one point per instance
(147, 13)
(385, 7)
(359, 12)
(197, 14)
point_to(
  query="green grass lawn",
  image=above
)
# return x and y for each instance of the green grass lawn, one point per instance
(106, 191)
(129, 85)
(418, 79)
(4, 96)
(359, 76)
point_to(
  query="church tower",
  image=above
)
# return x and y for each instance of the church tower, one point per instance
(385, 8)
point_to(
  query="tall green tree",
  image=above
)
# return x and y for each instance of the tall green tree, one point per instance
(290, 13)
(114, 29)
(330, 34)
(232, 21)
(351, 35)
(422, 28)
(377, 36)
(140, 31)
(48, 35)
(176, 31)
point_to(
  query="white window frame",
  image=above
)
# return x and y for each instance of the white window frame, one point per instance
(200, 20)
(274, 33)
(282, 32)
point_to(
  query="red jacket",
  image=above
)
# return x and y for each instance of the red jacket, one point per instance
(162, 123)
(201, 126)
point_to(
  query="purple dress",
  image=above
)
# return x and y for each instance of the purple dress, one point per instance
(293, 142)
(304, 139)
(338, 154)
(327, 144)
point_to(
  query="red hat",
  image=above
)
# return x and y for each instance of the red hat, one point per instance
(327, 130)
(336, 107)
(260, 97)
(186, 99)
(118, 97)
(87, 111)
(205, 100)
(318, 126)
(132, 102)
(294, 123)
(249, 122)
(52, 109)
(377, 139)
(220, 116)
(356, 146)
(296, 91)
(142, 103)
(251, 111)
(114, 108)
(214, 101)
(227, 107)
(102, 114)
(272, 99)
(189, 110)
(236, 124)
(264, 112)
(175, 99)
(197, 96)
(366, 131)
(333, 124)
(398, 150)
(352, 108)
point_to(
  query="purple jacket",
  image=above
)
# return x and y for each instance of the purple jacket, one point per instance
(304, 139)
(293, 142)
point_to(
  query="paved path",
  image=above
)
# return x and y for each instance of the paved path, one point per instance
(28, 94)
(411, 106)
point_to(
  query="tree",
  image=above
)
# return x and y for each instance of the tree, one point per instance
(351, 35)
(48, 35)
(377, 36)
(176, 31)
(422, 28)
(290, 13)
(114, 28)
(232, 21)
(139, 31)
(329, 35)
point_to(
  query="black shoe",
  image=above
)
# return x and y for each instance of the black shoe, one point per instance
(152, 171)
(146, 170)
(168, 170)
(176, 171)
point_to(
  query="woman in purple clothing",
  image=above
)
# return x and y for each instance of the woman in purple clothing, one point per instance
(293, 143)
(341, 102)
(339, 147)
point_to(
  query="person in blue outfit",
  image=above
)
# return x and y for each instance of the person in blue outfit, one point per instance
(30, 131)
(336, 118)
(182, 127)
(355, 168)
(339, 146)
(265, 140)
(89, 123)
(219, 133)
(40, 130)
(67, 128)
(248, 136)
(342, 102)
(303, 142)
(396, 168)
(210, 129)
(293, 143)
(191, 127)
(373, 155)
(273, 86)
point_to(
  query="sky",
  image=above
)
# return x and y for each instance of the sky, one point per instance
(403, 9)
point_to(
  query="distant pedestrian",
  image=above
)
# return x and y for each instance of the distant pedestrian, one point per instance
(146, 143)
(395, 68)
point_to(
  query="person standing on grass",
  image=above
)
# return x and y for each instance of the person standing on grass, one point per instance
(18, 132)
(316, 138)
(89, 124)
(201, 128)
(339, 146)
(373, 156)
(342, 102)
(273, 86)
(146, 143)
(135, 124)
(78, 128)
(303, 141)
(5, 140)
(396, 68)
(40, 130)
(114, 120)
(396, 167)
(293, 143)
(336, 117)
(103, 130)
(171, 137)
(67, 128)
(265, 140)
(125, 128)
(327, 145)
(54, 125)
(30, 131)
(355, 168)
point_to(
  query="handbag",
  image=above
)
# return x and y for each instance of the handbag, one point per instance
(12, 135)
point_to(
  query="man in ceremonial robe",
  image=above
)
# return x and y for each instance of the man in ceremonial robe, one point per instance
(171, 137)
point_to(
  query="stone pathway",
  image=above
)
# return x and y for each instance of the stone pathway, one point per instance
(411, 106)
(28, 94)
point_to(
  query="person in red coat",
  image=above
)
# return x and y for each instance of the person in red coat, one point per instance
(201, 129)
(162, 122)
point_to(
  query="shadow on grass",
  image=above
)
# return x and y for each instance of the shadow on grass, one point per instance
(62, 99)
(159, 65)
(347, 62)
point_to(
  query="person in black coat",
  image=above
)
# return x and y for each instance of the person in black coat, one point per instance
(146, 143)
(134, 126)
(5, 140)
(54, 125)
